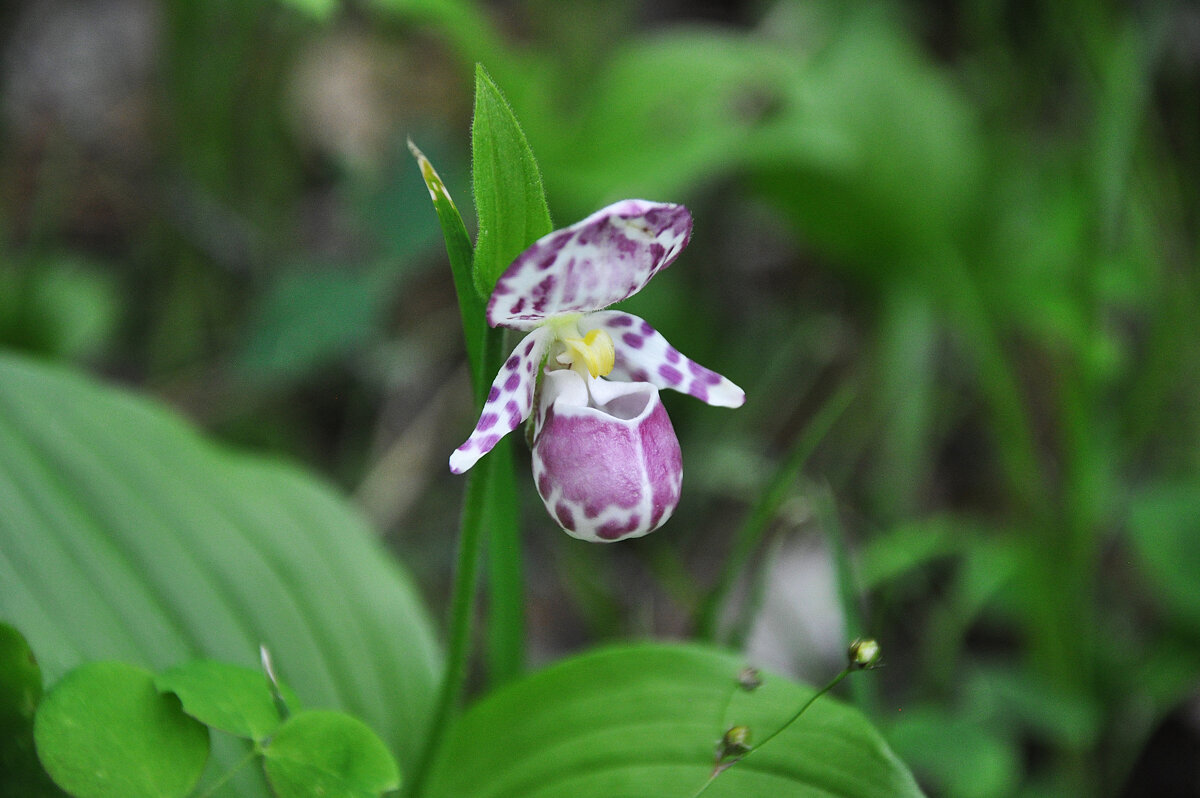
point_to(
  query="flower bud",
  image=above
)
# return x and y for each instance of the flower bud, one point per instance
(864, 654)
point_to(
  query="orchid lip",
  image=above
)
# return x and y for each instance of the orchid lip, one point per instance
(605, 457)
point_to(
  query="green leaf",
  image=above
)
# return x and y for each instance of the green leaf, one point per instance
(643, 720)
(1165, 532)
(458, 248)
(105, 732)
(329, 754)
(509, 199)
(126, 535)
(232, 698)
(485, 351)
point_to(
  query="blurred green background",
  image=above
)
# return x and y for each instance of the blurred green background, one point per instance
(950, 251)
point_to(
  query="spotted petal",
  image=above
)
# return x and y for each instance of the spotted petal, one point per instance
(509, 401)
(603, 259)
(605, 458)
(643, 355)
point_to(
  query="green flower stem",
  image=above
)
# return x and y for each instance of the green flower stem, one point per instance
(832, 684)
(505, 654)
(462, 610)
(722, 767)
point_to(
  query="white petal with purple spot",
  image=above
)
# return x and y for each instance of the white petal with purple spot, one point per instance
(607, 466)
(644, 355)
(508, 402)
(605, 258)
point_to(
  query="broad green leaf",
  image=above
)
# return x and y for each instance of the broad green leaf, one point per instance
(1067, 716)
(1165, 532)
(104, 731)
(643, 720)
(903, 178)
(126, 535)
(329, 754)
(232, 698)
(509, 200)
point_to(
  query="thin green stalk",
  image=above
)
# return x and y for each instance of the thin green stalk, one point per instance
(506, 591)
(462, 611)
(722, 767)
(752, 531)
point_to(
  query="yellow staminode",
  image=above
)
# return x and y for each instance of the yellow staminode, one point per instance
(594, 350)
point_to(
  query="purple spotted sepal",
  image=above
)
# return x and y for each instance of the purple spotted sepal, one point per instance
(594, 263)
(509, 400)
(643, 355)
(605, 457)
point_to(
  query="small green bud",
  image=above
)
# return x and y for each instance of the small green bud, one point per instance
(749, 679)
(734, 745)
(864, 654)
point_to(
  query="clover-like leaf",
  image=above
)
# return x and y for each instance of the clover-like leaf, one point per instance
(232, 698)
(331, 754)
(104, 731)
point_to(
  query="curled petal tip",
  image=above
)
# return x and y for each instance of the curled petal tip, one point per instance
(461, 462)
(727, 395)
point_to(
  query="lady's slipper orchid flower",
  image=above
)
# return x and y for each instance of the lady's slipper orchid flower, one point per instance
(605, 457)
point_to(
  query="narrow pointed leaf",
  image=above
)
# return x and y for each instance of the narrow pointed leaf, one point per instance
(509, 199)
(458, 248)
